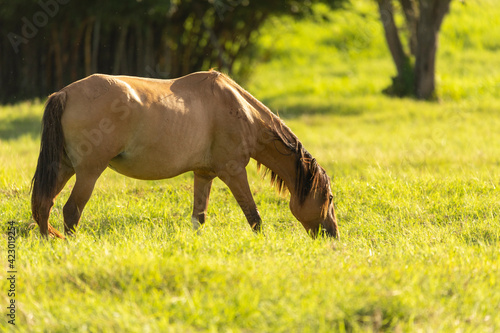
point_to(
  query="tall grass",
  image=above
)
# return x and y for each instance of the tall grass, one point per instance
(416, 188)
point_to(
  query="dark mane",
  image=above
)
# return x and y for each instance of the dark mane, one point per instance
(311, 177)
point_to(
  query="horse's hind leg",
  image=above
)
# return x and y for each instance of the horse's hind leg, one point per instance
(64, 174)
(79, 197)
(202, 186)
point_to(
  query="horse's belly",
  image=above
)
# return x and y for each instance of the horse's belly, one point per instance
(154, 165)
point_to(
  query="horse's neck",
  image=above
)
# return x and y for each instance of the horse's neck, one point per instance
(271, 151)
(274, 155)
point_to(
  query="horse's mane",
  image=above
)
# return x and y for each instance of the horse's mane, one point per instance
(311, 177)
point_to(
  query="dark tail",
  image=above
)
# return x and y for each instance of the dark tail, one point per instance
(44, 183)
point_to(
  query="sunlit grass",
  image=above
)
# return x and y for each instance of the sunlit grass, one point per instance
(416, 189)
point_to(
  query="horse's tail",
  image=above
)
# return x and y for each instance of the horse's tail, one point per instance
(44, 183)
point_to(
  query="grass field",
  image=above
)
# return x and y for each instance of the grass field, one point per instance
(416, 188)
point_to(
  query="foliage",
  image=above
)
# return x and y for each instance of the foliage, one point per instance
(48, 44)
(416, 188)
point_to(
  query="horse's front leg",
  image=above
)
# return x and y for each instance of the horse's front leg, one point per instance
(202, 186)
(238, 184)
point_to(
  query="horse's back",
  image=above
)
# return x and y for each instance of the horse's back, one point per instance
(151, 129)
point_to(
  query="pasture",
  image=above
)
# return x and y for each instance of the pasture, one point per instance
(416, 191)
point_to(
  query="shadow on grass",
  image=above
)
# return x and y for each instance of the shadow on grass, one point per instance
(11, 129)
(297, 109)
(386, 315)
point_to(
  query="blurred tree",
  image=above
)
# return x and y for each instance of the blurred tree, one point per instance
(47, 44)
(416, 66)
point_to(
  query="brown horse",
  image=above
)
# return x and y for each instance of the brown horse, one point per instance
(155, 129)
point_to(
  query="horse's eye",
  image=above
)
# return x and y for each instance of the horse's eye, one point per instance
(330, 198)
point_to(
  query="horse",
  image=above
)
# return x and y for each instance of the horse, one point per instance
(154, 129)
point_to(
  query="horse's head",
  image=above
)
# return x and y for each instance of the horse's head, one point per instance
(311, 198)
(316, 210)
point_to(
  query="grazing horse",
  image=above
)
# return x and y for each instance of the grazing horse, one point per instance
(156, 129)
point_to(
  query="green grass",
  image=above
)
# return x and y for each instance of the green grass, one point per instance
(416, 188)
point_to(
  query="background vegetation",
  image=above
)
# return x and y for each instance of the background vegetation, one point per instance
(48, 44)
(416, 189)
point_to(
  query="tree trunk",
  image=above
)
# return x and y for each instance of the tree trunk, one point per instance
(431, 16)
(88, 48)
(391, 34)
(411, 16)
(148, 66)
(75, 65)
(95, 45)
(402, 83)
(423, 23)
(120, 49)
(425, 63)
(58, 58)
